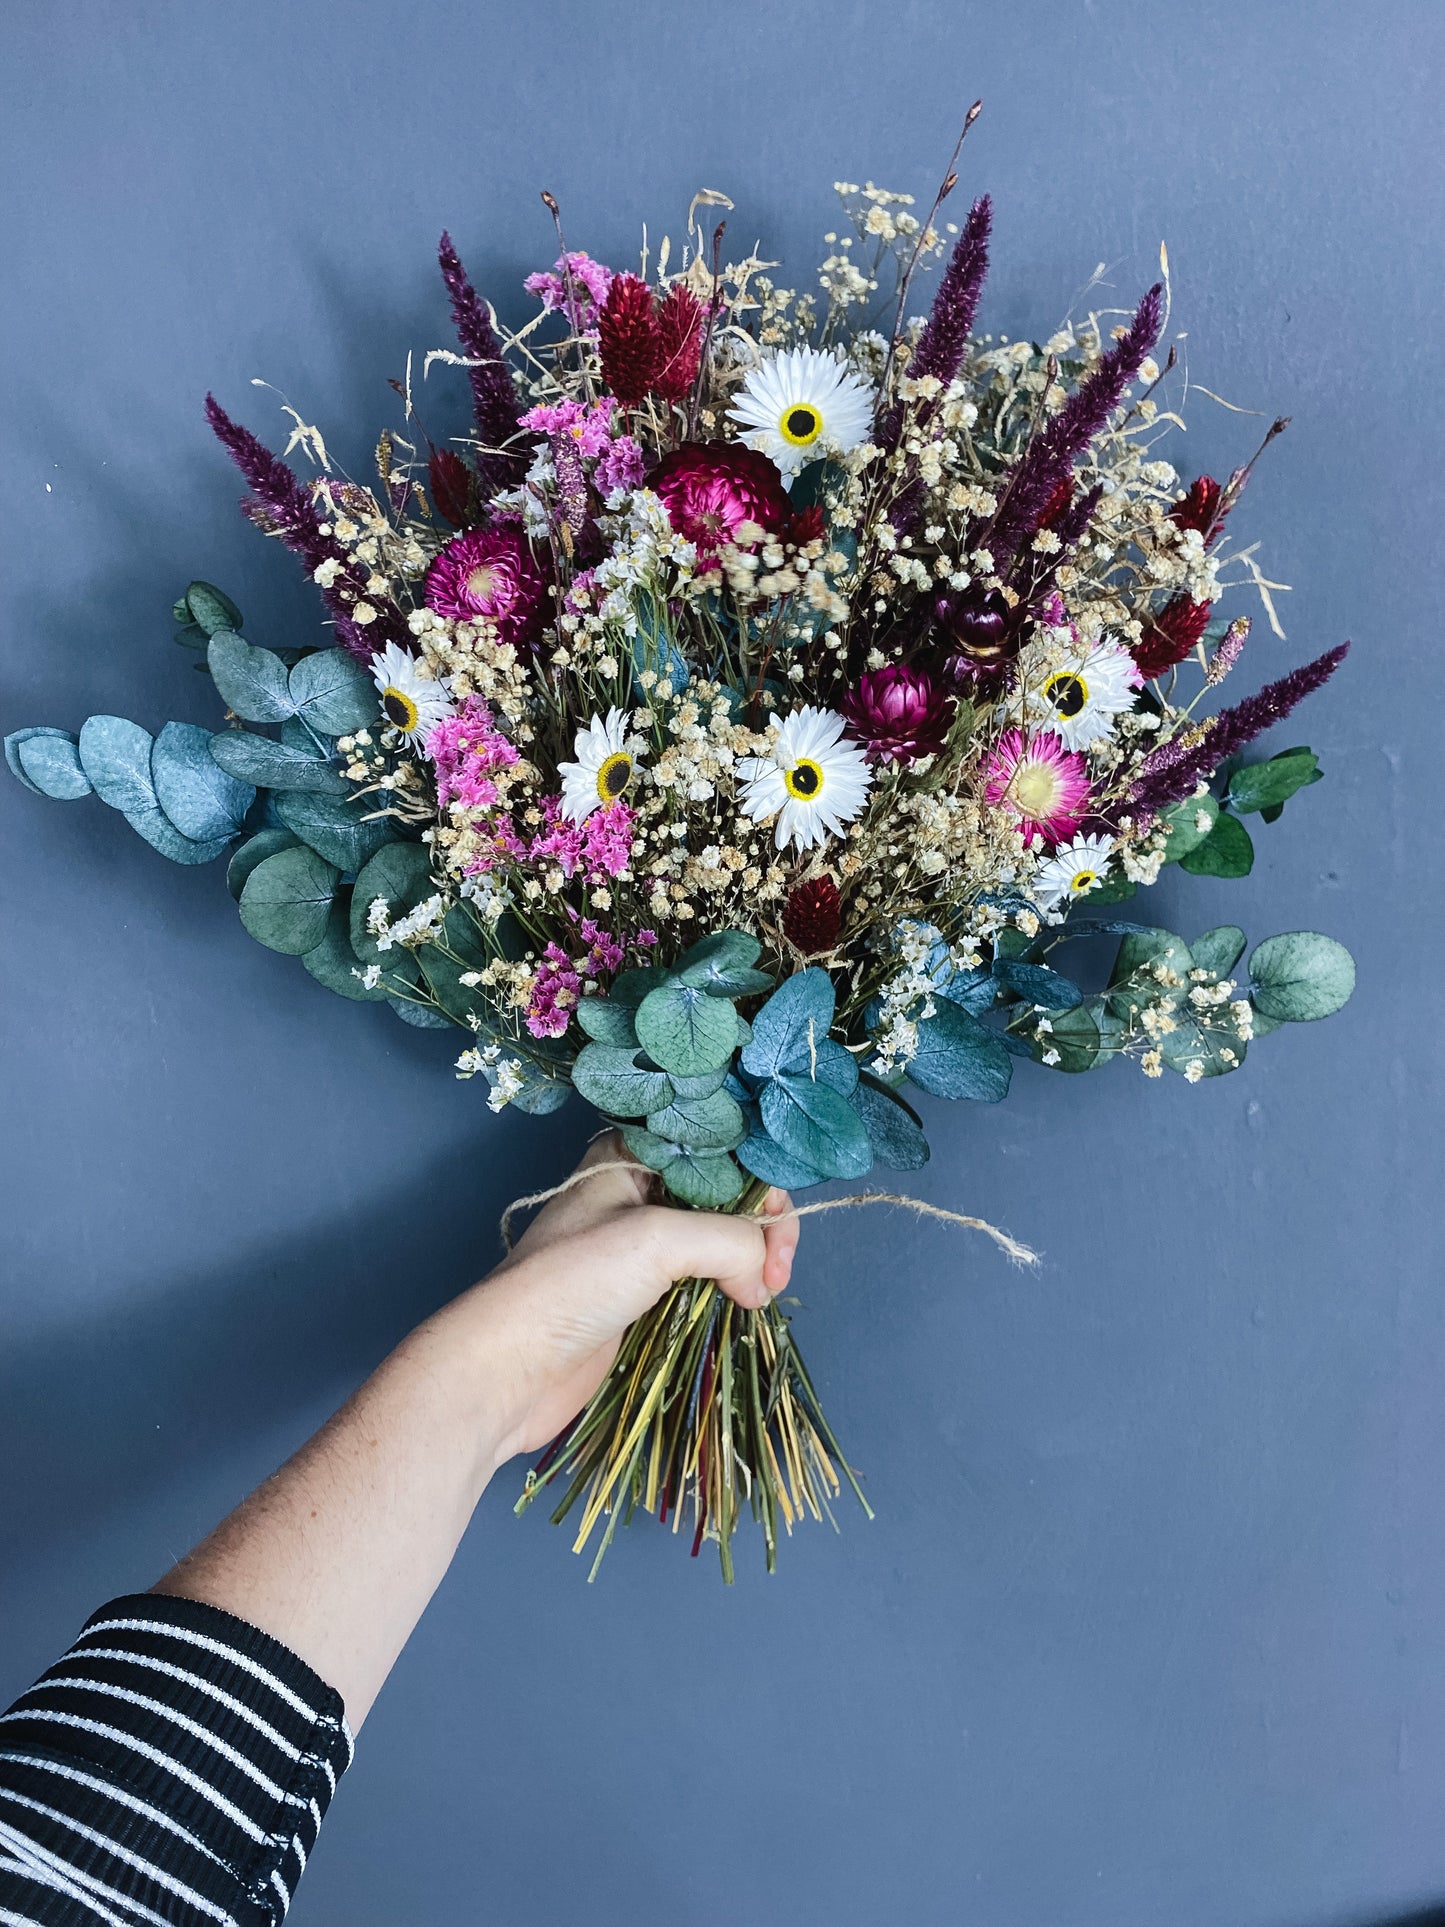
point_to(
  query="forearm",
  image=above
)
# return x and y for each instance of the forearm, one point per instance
(338, 1553)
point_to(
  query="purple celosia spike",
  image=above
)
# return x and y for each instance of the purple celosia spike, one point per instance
(1173, 772)
(944, 341)
(280, 504)
(1049, 458)
(494, 399)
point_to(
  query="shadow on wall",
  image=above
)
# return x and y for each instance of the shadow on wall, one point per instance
(1427, 1917)
(107, 1406)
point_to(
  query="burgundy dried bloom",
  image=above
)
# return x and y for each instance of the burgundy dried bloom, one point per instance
(451, 486)
(1200, 508)
(1171, 636)
(980, 637)
(813, 916)
(808, 525)
(679, 344)
(490, 575)
(901, 713)
(627, 334)
(710, 489)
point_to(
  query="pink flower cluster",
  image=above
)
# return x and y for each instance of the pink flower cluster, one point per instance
(467, 749)
(557, 986)
(590, 283)
(620, 461)
(602, 846)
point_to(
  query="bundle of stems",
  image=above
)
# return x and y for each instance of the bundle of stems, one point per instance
(708, 1412)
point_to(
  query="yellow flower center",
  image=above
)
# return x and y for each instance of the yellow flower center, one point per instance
(1067, 693)
(398, 708)
(1083, 880)
(1034, 791)
(614, 776)
(801, 424)
(481, 580)
(804, 780)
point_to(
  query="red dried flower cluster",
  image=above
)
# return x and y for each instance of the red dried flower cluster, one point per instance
(1199, 508)
(813, 916)
(649, 347)
(1170, 637)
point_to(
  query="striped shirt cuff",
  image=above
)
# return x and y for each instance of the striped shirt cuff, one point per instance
(174, 1766)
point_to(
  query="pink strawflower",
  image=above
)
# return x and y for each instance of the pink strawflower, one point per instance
(710, 489)
(590, 282)
(555, 991)
(900, 712)
(1040, 783)
(468, 749)
(607, 840)
(489, 575)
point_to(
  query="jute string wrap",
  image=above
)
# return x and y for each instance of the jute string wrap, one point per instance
(919, 1206)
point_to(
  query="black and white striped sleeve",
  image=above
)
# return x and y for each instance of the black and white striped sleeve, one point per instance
(173, 1767)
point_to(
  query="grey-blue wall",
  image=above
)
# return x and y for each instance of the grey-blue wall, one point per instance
(1149, 1626)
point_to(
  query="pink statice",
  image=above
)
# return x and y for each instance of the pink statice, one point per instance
(468, 749)
(607, 840)
(1040, 783)
(604, 952)
(590, 283)
(646, 939)
(502, 846)
(590, 428)
(622, 466)
(555, 990)
(561, 839)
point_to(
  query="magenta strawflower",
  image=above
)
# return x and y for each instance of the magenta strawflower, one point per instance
(489, 575)
(710, 489)
(1040, 783)
(899, 713)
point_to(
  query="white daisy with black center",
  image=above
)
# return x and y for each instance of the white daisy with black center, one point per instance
(412, 701)
(803, 404)
(1080, 701)
(813, 779)
(1072, 871)
(604, 768)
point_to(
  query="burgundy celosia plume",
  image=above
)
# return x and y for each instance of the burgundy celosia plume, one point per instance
(1200, 508)
(1175, 770)
(813, 916)
(627, 336)
(1174, 633)
(280, 504)
(944, 341)
(679, 329)
(899, 712)
(494, 399)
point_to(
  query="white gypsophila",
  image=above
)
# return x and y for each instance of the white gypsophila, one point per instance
(1079, 699)
(801, 404)
(603, 769)
(1072, 871)
(486, 895)
(412, 700)
(641, 539)
(813, 779)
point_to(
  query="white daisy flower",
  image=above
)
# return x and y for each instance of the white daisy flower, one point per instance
(1072, 871)
(1080, 703)
(603, 769)
(411, 701)
(803, 404)
(813, 780)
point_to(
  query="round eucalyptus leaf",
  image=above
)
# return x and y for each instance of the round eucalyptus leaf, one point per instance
(649, 1149)
(608, 1022)
(287, 900)
(251, 681)
(191, 787)
(799, 1012)
(253, 851)
(116, 756)
(208, 607)
(1218, 950)
(1301, 976)
(896, 1140)
(334, 827)
(1189, 823)
(1226, 852)
(708, 1180)
(1215, 1049)
(333, 961)
(714, 1123)
(399, 873)
(721, 964)
(333, 693)
(610, 1076)
(19, 736)
(816, 1125)
(764, 1158)
(1141, 960)
(50, 763)
(684, 1029)
(959, 1057)
(419, 1016)
(274, 766)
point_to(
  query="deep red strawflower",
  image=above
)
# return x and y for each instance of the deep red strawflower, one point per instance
(813, 916)
(678, 333)
(490, 575)
(710, 489)
(900, 713)
(627, 337)
(980, 638)
(1170, 637)
(808, 525)
(1199, 507)
(451, 486)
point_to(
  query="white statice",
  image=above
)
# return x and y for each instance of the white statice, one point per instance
(505, 1075)
(417, 926)
(603, 769)
(813, 779)
(412, 700)
(802, 404)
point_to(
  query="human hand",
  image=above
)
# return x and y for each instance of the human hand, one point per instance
(546, 1324)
